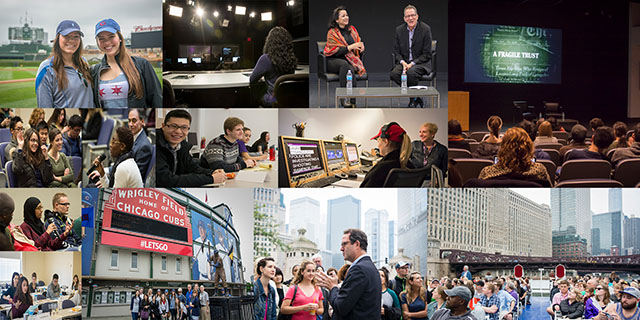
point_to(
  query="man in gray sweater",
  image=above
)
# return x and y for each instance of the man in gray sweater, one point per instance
(53, 290)
(223, 153)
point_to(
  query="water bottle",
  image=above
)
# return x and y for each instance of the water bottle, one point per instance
(349, 81)
(404, 80)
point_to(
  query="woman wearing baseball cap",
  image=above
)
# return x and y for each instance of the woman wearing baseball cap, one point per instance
(122, 80)
(64, 79)
(395, 147)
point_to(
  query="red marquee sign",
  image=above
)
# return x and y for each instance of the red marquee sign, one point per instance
(560, 271)
(518, 271)
(146, 219)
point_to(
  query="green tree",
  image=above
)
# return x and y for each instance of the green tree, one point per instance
(265, 226)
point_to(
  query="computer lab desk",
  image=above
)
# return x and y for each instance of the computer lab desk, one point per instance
(348, 183)
(271, 180)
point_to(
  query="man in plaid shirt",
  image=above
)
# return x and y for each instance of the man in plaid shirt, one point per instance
(489, 301)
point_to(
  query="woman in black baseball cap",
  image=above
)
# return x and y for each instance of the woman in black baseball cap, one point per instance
(395, 147)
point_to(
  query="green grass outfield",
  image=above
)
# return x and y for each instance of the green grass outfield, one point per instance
(23, 94)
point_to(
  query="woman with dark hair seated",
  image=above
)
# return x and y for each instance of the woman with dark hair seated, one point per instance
(124, 173)
(22, 299)
(515, 160)
(261, 145)
(277, 59)
(31, 166)
(456, 140)
(343, 50)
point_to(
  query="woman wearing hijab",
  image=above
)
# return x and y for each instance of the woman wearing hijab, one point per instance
(33, 228)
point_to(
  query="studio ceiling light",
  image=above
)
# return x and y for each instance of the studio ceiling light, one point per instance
(266, 16)
(175, 11)
(240, 10)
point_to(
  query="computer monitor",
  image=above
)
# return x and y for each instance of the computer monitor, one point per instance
(197, 59)
(302, 157)
(351, 150)
(333, 155)
(183, 60)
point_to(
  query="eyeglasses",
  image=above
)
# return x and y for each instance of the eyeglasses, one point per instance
(114, 141)
(174, 127)
(64, 204)
(413, 15)
(19, 129)
(344, 244)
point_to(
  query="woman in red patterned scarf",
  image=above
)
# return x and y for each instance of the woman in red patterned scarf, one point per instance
(343, 50)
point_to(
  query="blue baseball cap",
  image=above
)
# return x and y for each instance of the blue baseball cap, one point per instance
(67, 26)
(109, 25)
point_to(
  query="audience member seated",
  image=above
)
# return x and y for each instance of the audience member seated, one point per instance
(33, 285)
(222, 152)
(7, 295)
(63, 174)
(174, 165)
(92, 119)
(577, 135)
(72, 141)
(5, 117)
(43, 132)
(142, 149)
(620, 132)
(125, 172)
(53, 290)
(36, 116)
(261, 145)
(555, 126)
(602, 139)
(530, 129)
(395, 147)
(17, 132)
(515, 160)
(595, 123)
(58, 119)
(545, 134)
(427, 151)
(456, 140)
(633, 151)
(22, 299)
(60, 218)
(32, 166)
(6, 214)
(34, 229)
(489, 147)
(573, 307)
(242, 146)
(277, 59)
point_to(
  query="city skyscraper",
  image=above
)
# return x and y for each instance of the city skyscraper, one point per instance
(376, 226)
(412, 223)
(342, 213)
(305, 213)
(615, 199)
(392, 235)
(607, 232)
(571, 207)
(632, 234)
(492, 220)
(268, 202)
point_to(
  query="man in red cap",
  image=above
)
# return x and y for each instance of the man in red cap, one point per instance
(395, 147)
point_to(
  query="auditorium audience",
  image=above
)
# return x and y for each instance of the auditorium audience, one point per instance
(489, 147)
(530, 129)
(124, 173)
(63, 174)
(72, 141)
(36, 116)
(455, 138)
(43, 132)
(620, 132)
(595, 123)
(577, 135)
(515, 160)
(31, 166)
(92, 119)
(601, 140)
(17, 132)
(142, 149)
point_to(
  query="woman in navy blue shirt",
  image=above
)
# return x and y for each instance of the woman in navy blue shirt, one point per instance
(414, 298)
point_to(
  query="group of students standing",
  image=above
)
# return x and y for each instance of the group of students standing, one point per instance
(65, 80)
(173, 305)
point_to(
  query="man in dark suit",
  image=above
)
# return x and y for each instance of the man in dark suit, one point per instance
(141, 146)
(412, 51)
(360, 295)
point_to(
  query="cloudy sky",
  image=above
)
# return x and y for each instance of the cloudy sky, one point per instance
(47, 14)
(599, 199)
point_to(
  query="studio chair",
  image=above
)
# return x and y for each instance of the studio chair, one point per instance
(556, 146)
(523, 110)
(561, 135)
(76, 165)
(473, 146)
(5, 135)
(66, 304)
(628, 172)
(3, 145)
(333, 77)
(501, 183)
(478, 135)
(292, 90)
(152, 163)
(11, 178)
(94, 147)
(468, 168)
(554, 155)
(409, 178)
(552, 109)
(585, 169)
(551, 168)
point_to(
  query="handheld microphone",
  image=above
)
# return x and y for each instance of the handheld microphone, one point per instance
(93, 167)
(54, 233)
